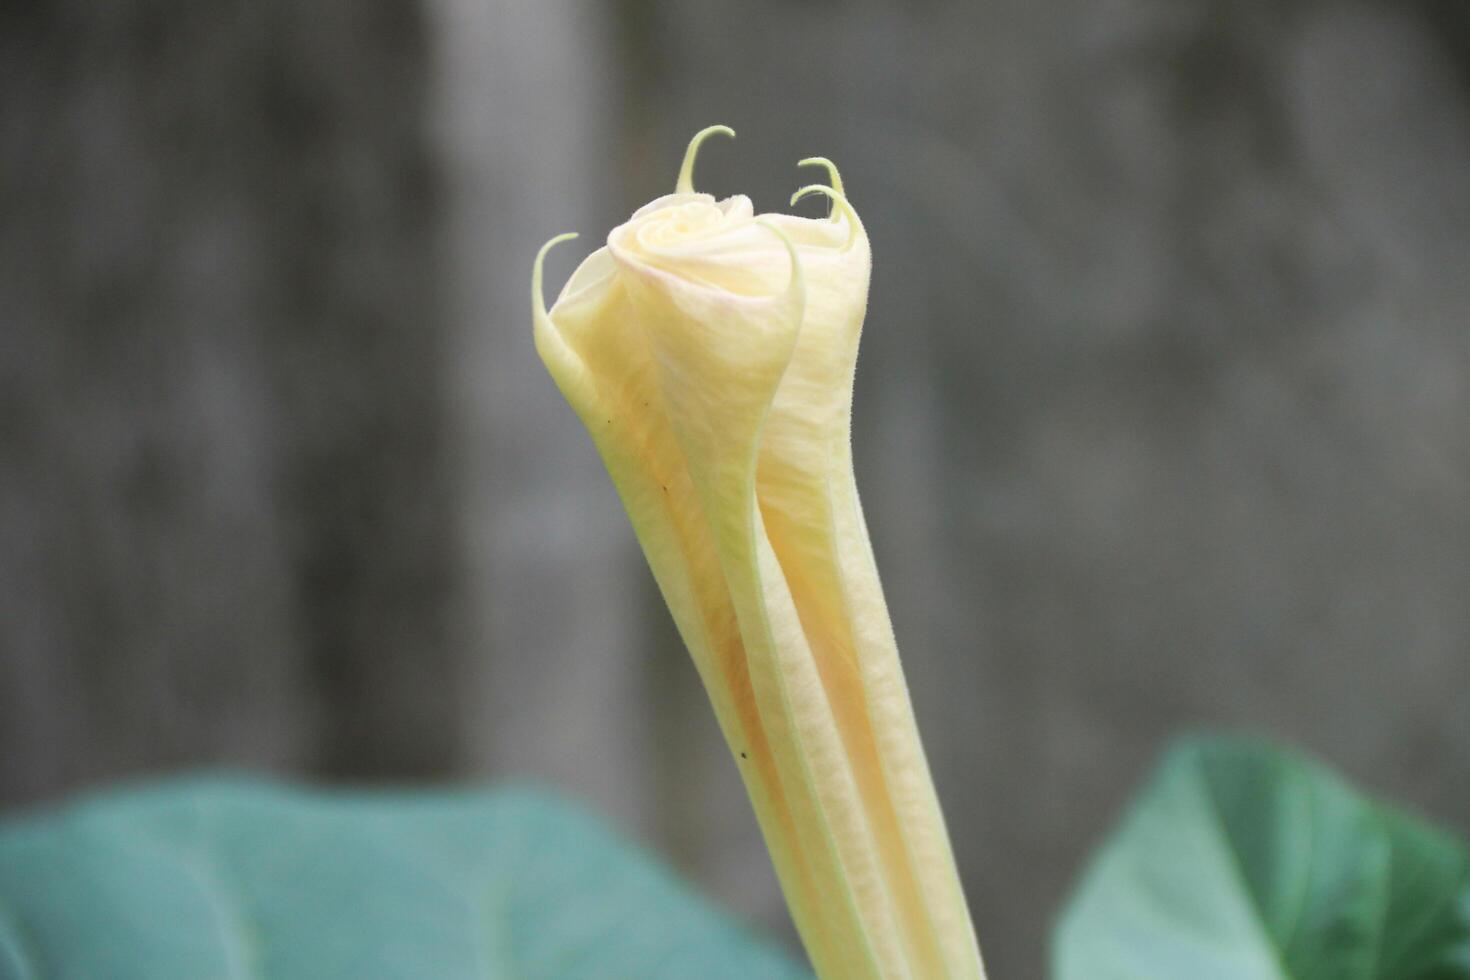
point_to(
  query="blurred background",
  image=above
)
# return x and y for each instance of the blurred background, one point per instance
(1163, 414)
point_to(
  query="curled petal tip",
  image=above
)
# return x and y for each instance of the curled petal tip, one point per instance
(840, 206)
(833, 176)
(538, 299)
(685, 184)
(808, 191)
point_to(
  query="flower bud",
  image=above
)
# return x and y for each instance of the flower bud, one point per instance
(710, 353)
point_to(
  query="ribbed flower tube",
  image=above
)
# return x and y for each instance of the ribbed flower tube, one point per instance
(710, 353)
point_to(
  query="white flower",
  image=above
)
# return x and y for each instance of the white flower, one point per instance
(710, 353)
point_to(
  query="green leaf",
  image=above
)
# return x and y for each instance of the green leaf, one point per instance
(1244, 862)
(234, 880)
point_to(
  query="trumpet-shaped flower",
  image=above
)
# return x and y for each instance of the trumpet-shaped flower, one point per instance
(710, 353)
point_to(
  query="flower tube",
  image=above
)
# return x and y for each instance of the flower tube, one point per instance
(710, 353)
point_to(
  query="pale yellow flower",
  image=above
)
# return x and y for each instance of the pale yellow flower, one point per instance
(710, 352)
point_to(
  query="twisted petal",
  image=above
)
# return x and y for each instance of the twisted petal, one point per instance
(711, 353)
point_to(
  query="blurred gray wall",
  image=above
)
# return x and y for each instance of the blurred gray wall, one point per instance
(1163, 411)
(224, 516)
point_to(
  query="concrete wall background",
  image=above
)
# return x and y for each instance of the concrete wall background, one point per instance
(1163, 410)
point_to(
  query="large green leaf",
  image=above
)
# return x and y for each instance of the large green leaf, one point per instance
(1244, 862)
(233, 880)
